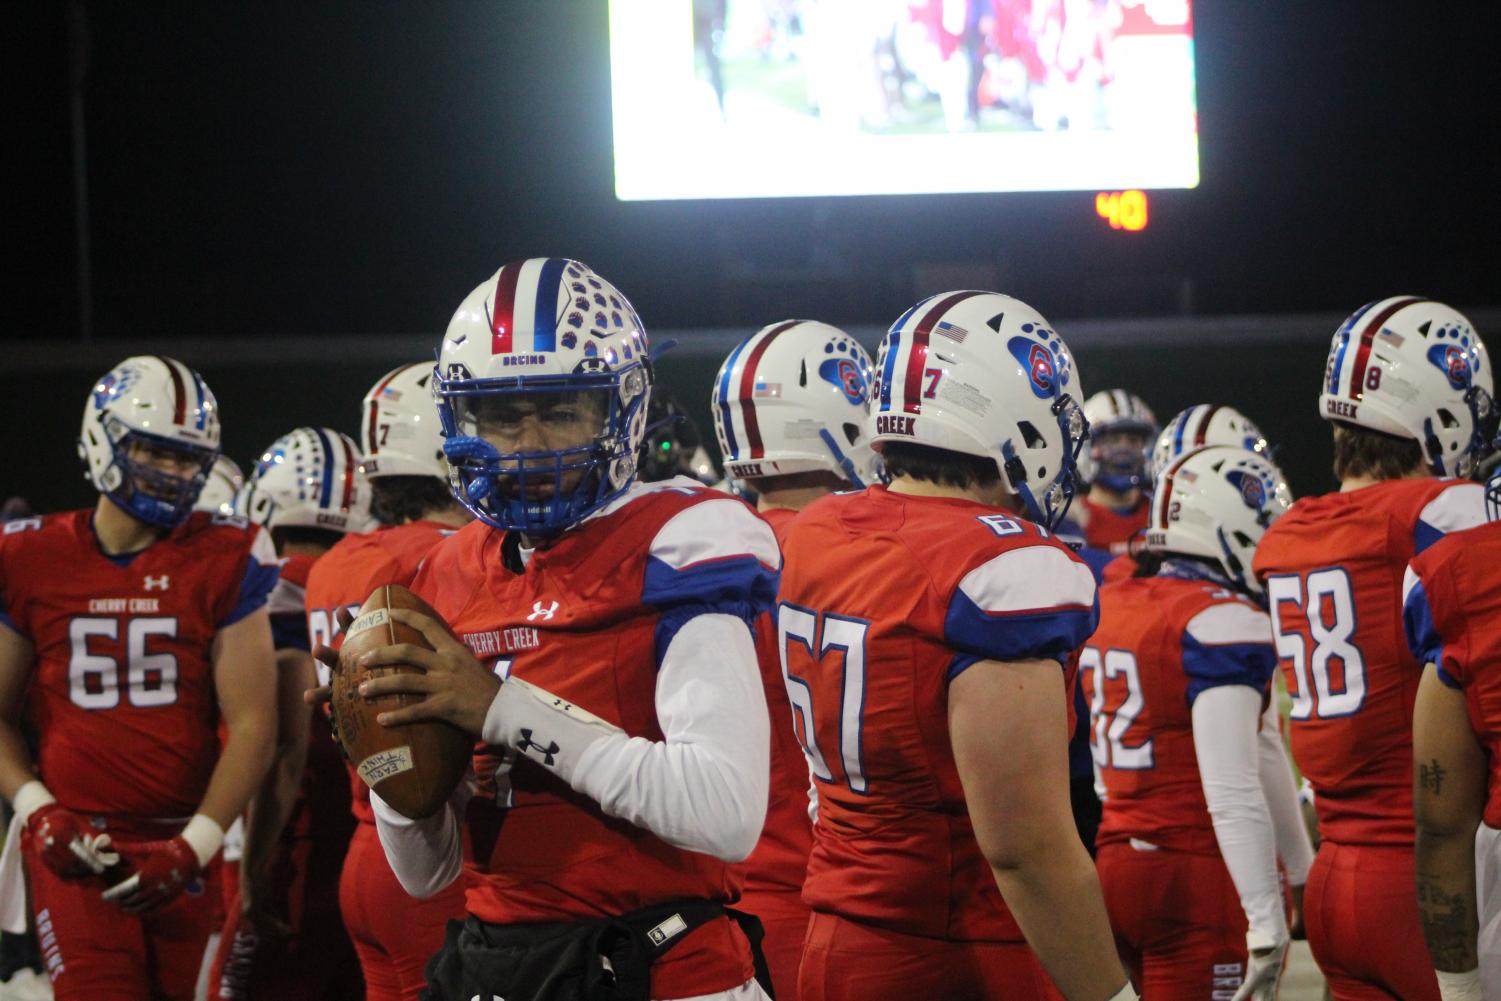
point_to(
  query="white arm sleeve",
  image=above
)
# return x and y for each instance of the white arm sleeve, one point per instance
(1224, 725)
(426, 855)
(1281, 790)
(704, 787)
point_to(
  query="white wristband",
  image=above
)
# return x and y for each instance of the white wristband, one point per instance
(543, 727)
(30, 798)
(1126, 993)
(204, 836)
(1459, 986)
(1263, 941)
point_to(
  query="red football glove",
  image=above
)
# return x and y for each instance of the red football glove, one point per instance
(159, 871)
(66, 841)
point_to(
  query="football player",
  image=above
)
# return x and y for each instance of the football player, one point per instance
(1193, 428)
(1201, 426)
(1178, 673)
(927, 630)
(1452, 615)
(1122, 430)
(225, 481)
(607, 657)
(790, 405)
(135, 624)
(282, 936)
(393, 934)
(1407, 388)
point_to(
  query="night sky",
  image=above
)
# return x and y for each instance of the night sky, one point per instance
(345, 167)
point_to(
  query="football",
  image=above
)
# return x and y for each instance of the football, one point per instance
(416, 767)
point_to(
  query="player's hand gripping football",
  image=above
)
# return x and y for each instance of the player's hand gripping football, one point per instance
(68, 845)
(159, 871)
(457, 687)
(1263, 970)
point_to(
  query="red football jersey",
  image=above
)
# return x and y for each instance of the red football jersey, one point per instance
(779, 865)
(588, 619)
(1112, 530)
(287, 605)
(1453, 614)
(1333, 567)
(344, 577)
(1120, 568)
(1161, 642)
(885, 598)
(122, 691)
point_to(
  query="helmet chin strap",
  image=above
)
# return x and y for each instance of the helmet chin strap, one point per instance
(844, 462)
(1016, 477)
(1232, 564)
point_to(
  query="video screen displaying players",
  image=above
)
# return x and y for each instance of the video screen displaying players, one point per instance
(770, 98)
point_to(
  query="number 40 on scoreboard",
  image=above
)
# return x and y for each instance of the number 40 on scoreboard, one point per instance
(1122, 209)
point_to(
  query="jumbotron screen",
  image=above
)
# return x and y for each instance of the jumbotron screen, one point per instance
(771, 98)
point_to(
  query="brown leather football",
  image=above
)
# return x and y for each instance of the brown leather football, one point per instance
(415, 767)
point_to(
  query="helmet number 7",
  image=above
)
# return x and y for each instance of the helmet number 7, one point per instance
(934, 377)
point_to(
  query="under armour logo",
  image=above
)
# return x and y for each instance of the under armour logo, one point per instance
(152, 583)
(526, 744)
(538, 612)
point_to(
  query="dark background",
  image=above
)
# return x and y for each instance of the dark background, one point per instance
(287, 173)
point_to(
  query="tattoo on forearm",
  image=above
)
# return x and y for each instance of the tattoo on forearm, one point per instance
(1449, 925)
(1431, 777)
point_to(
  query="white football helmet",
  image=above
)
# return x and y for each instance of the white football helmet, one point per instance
(792, 398)
(309, 478)
(1416, 369)
(984, 374)
(225, 481)
(1119, 466)
(551, 335)
(150, 402)
(1216, 503)
(1203, 425)
(400, 426)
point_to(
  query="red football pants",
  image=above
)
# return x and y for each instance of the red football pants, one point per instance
(1362, 916)
(846, 961)
(316, 961)
(1177, 920)
(95, 951)
(394, 934)
(784, 918)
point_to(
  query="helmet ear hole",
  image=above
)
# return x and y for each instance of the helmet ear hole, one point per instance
(1030, 435)
(851, 432)
(1447, 418)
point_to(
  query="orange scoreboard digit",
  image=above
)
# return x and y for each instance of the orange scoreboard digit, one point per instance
(1122, 209)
